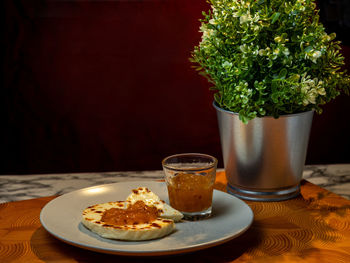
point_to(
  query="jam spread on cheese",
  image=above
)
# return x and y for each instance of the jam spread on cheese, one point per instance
(137, 213)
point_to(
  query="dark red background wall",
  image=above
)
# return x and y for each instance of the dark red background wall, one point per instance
(107, 85)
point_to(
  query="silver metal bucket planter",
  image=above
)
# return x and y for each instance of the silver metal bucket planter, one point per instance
(264, 159)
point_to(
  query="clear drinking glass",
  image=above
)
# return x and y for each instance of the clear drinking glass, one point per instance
(190, 179)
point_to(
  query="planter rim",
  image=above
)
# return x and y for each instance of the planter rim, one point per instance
(281, 116)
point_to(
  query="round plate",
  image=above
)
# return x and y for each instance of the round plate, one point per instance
(61, 217)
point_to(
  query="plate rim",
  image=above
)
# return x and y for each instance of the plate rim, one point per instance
(161, 252)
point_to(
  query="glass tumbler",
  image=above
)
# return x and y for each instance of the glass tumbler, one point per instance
(190, 179)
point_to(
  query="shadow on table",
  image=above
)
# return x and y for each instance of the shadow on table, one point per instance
(49, 249)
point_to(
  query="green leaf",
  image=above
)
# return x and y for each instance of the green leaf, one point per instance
(282, 74)
(274, 85)
(274, 17)
(308, 49)
(309, 38)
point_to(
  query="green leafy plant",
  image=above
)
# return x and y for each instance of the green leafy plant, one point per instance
(269, 57)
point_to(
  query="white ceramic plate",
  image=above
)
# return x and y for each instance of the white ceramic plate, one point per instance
(61, 218)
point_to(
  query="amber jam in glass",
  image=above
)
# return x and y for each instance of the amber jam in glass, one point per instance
(191, 192)
(190, 180)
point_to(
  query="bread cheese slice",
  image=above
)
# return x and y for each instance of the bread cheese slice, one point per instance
(92, 219)
(135, 226)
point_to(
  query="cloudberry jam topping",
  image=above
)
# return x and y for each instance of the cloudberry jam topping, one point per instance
(137, 213)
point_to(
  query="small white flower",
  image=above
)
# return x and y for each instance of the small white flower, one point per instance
(286, 52)
(244, 48)
(316, 54)
(312, 98)
(235, 14)
(321, 91)
(227, 64)
(278, 39)
(256, 28)
(244, 19)
(207, 33)
(276, 51)
(304, 88)
(305, 102)
(313, 55)
(212, 21)
(311, 88)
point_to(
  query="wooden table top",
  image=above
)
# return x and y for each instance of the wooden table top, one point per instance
(314, 227)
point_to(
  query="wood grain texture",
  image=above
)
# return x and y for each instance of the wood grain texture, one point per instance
(314, 227)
